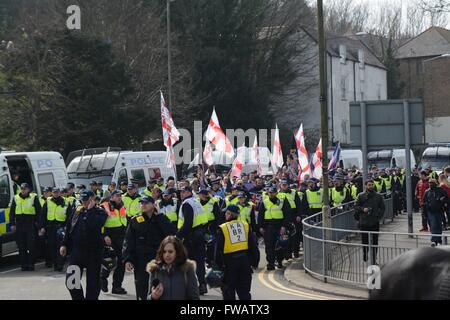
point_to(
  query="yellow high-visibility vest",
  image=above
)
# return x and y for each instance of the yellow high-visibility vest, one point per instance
(25, 206)
(245, 213)
(314, 198)
(208, 209)
(200, 217)
(170, 211)
(337, 196)
(56, 212)
(116, 217)
(289, 196)
(236, 236)
(132, 206)
(273, 211)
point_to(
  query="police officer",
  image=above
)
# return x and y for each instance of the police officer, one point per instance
(131, 201)
(42, 239)
(339, 193)
(233, 198)
(246, 210)
(379, 184)
(24, 216)
(114, 233)
(398, 188)
(314, 197)
(273, 218)
(46, 193)
(149, 190)
(144, 234)
(212, 211)
(236, 252)
(84, 241)
(218, 190)
(387, 179)
(294, 201)
(123, 188)
(191, 223)
(169, 206)
(54, 214)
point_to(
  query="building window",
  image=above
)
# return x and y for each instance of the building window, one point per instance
(343, 87)
(343, 53)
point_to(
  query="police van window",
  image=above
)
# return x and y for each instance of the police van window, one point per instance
(46, 180)
(5, 193)
(154, 173)
(138, 176)
(123, 176)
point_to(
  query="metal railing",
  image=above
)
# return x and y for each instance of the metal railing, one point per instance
(337, 252)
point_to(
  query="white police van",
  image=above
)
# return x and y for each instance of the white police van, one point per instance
(108, 165)
(39, 170)
(436, 156)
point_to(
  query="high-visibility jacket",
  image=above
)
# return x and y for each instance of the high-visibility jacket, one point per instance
(235, 235)
(25, 206)
(387, 182)
(70, 200)
(378, 185)
(314, 198)
(161, 187)
(200, 217)
(433, 175)
(116, 217)
(245, 212)
(353, 190)
(208, 209)
(148, 192)
(56, 212)
(289, 196)
(273, 211)
(232, 201)
(132, 206)
(42, 201)
(338, 196)
(170, 211)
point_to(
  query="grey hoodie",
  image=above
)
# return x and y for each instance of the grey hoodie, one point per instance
(180, 284)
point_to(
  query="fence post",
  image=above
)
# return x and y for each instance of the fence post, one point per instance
(324, 257)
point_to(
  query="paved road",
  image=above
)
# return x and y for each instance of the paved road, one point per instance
(45, 284)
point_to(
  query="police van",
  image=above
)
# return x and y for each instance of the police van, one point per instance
(39, 170)
(108, 165)
(349, 158)
(390, 158)
(437, 157)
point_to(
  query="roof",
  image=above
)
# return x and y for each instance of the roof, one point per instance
(434, 41)
(352, 45)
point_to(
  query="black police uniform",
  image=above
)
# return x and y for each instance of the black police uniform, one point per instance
(211, 229)
(142, 239)
(26, 235)
(272, 231)
(84, 241)
(237, 267)
(294, 241)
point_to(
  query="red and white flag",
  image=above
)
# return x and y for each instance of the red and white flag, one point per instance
(216, 136)
(207, 154)
(302, 153)
(255, 150)
(277, 153)
(170, 160)
(238, 163)
(170, 133)
(317, 161)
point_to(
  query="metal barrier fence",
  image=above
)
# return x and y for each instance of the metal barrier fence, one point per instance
(337, 252)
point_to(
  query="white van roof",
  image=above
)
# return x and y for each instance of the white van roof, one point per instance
(36, 155)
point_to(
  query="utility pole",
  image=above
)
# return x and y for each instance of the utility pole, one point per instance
(326, 216)
(169, 56)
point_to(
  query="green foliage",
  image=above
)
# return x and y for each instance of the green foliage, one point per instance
(67, 92)
(395, 86)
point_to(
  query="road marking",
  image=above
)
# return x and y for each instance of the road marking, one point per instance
(293, 292)
(16, 269)
(279, 285)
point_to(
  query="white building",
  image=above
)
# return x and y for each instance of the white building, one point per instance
(354, 73)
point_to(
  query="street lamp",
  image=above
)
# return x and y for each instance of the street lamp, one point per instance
(326, 216)
(169, 56)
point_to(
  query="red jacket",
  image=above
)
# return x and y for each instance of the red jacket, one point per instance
(446, 189)
(421, 187)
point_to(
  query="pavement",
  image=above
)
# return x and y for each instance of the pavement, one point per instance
(296, 275)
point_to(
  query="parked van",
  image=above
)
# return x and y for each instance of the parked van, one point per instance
(39, 170)
(111, 164)
(390, 158)
(349, 158)
(438, 157)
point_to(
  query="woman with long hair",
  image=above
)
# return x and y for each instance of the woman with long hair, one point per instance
(172, 274)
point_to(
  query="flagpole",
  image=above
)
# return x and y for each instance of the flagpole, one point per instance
(326, 214)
